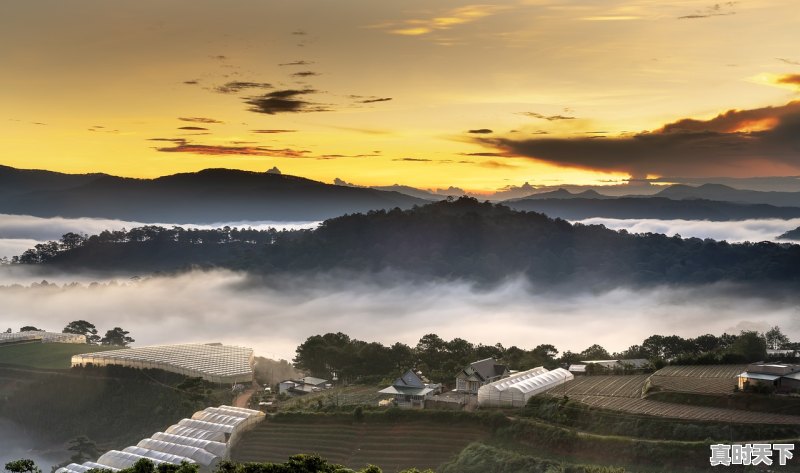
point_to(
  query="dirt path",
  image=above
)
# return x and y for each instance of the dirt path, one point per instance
(242, 399)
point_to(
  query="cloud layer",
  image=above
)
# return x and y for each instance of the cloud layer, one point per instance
(274, 317)
(733, 232)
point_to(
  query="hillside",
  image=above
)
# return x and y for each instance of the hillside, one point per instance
(578, 207)
(791, 235)
(460, 239)
(208, 196)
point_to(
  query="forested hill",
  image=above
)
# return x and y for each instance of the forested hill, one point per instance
(459, 239)
(208, 196)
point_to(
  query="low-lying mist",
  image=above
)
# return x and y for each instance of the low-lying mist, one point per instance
(274, 316)
(21, 232)
(15, 445)
(754, 230)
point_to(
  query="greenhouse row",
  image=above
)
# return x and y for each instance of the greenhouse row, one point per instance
(213, 362)
(215, 430)
(515, 390)
(39, 336)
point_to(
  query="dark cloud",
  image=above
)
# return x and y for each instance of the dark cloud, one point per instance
(480, 131)
(496, 165)
(788, 61)
(191, 82)
(421, 160)
(550, 118)
(270, 132)
(735, 143)
(718, 9)
(299, 33)
(297, 63)
(199, 120)
(376, 99)
(184, 147)
(193, 128)
(238, 86)
(305, 74)
(220, 57)
(488, 155)
(172, 140)
(284, 101)
(790, 79)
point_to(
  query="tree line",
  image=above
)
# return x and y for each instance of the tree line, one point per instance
(462, 238)
(350, 359)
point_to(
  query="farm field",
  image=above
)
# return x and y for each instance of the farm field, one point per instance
(45, 355)
(682, 411)
(357, 395)
(711, 379)
(610, 385)
(392, 446)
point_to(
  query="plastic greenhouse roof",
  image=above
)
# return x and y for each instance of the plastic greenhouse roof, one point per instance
(214, 360)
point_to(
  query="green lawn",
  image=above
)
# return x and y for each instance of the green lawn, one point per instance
(45, 355)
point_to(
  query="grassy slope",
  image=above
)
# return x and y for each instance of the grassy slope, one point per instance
(45, 355)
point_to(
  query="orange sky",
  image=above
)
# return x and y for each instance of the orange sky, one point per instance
(377, 93)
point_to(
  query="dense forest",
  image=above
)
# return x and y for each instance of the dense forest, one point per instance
(461, 238)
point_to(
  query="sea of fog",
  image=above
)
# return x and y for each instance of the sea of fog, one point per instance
(753, 230)
(21, 232)
(273, 317)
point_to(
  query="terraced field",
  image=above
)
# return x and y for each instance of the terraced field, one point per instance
(682, 411)
(392, 446)
(610, 386)
(711, 379)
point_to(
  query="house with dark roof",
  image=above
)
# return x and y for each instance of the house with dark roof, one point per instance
(411, 390)
(479, 373)
(782, 377)
(303, 386)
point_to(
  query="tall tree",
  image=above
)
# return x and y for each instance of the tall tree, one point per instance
(22, 466)
(29, 328)
(117, 337)
(82, 327)
(775, 338)
(84, 449)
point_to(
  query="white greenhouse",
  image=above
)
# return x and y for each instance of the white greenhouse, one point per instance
(213, 362)
(198, 441)
(517, 389)
(219, 449)
(202, 457)
(156, 455)
(41, 337)
(120, 460)
(197, 433)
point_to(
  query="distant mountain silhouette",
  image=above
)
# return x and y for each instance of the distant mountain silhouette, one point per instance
(575, 208)
(211, 195)
(729, 194)
(562, 193)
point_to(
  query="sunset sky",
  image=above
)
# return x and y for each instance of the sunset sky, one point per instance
(428, 94)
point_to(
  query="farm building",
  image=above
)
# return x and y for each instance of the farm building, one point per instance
(183, 442)
(577, 369)
(782, 377)
(479, 373)
(515, 390)
(303, 386)
(411, 390)
(213, 362)
(39, 336)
